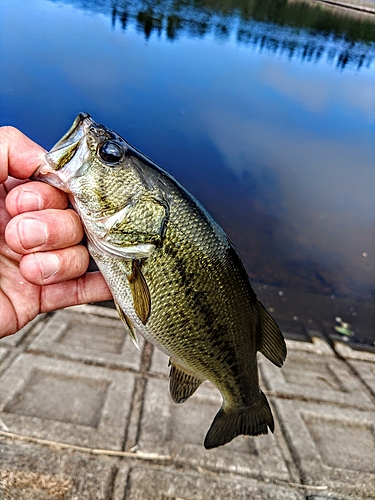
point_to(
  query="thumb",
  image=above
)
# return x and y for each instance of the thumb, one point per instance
(19, 155)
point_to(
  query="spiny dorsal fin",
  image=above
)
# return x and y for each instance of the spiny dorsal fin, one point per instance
(128, 325)
(271, 342)
(140, 292)
(181, 383)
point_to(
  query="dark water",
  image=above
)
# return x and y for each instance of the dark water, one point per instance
(263, 110)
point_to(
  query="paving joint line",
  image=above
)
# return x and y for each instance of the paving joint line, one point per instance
(133, 428)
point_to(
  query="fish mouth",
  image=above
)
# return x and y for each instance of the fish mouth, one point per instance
(67, 155)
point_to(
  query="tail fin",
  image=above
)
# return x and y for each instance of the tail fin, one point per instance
(251, 421)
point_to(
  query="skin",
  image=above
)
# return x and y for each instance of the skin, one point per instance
(42, 263)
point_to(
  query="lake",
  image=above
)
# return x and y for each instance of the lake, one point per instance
(264, 110)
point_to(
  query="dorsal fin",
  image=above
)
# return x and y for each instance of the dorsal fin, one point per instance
(128, 325)
(270, 341)
(140, 292)
(181, 383)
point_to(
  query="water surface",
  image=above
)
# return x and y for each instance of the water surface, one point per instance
(263, 110)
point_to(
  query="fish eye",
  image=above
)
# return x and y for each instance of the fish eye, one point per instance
(111, 152)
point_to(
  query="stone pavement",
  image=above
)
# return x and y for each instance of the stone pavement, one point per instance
(85, 415)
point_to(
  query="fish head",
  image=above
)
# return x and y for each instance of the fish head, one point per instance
(95, 166)
(115, 189)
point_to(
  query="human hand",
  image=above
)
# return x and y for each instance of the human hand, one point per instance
(42, 263)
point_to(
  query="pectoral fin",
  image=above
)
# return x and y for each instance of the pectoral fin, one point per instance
(140, 292)
(270, 342)
(181, 383)
(128, 325)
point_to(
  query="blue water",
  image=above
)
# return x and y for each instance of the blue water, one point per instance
(269, 125)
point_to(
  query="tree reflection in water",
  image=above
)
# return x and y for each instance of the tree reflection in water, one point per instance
(298, 29)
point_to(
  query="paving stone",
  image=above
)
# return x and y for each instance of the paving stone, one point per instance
(159, 363)
(91, 334)
(16, 339)
(3, 353)
(66, 401)
(311, 376)
(178, 430)
(366, 372)
(332, 446)
(347, 352)
(33, 472)
(362, 362)
(147, 483)
(317, 345)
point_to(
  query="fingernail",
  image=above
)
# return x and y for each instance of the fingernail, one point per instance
(49, 264)
(28, 201)
(32, 233)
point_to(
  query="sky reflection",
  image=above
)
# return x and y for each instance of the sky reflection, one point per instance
(279, 149)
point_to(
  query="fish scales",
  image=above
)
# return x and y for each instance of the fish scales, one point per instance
(174, 274)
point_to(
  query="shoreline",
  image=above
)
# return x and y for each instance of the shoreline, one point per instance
(361, 8)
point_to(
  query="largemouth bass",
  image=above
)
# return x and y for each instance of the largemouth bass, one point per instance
(173, 272)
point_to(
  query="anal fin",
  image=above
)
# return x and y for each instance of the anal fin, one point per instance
(128, 325)
(270, 341)
(181, 383)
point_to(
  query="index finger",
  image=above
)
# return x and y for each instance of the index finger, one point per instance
(19, 155)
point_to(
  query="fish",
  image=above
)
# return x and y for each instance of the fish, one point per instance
(175, 276)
